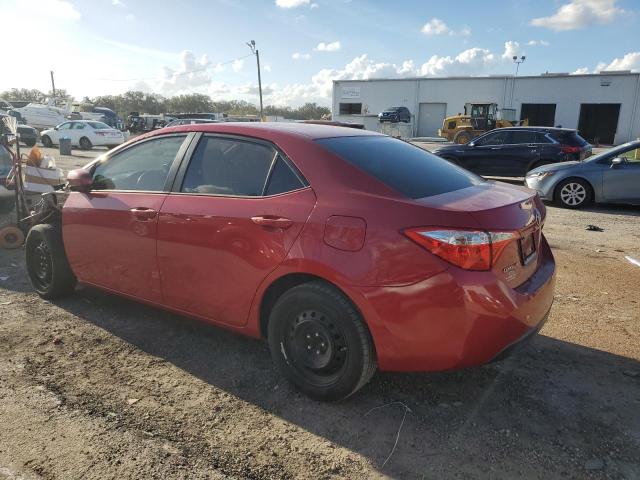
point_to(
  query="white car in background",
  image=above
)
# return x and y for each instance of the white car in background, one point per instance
(84, 134)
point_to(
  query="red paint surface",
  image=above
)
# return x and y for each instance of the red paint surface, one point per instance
(207, 257)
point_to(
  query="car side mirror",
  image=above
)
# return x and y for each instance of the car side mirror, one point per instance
(79, 180)
(55, 128)
(616, 162)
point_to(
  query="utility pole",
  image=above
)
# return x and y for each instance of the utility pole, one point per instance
(517, 61)
(252, 46)
(53, 87)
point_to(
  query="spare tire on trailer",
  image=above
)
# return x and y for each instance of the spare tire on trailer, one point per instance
(462, 137)
(11, 237)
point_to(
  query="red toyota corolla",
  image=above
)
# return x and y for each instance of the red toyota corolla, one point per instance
(346, 249)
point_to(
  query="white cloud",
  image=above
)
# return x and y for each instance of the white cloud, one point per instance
(300, 56)
(291, 3)
(267, 67)
(542, 43)
(631, 61)
(511, 49)
(59, 9)
(328, 47)
(130, 17)
(579, 14)
(119, 3)
(192, 73)
(314, 5)
(237, 65)
(580, 71)
(435, 26)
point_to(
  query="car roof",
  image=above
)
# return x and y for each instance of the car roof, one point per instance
(264, 129)
(541, 129)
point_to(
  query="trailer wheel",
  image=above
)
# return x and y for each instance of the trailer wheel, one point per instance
(11, 237)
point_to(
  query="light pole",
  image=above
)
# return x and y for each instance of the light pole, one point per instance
(517, 61)
(256, 52)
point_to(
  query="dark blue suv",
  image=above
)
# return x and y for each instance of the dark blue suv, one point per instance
(395, 115)
(512, 152)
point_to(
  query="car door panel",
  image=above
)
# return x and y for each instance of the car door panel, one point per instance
(111, 244)
(213, 251)
(621, 183)
(110, 233)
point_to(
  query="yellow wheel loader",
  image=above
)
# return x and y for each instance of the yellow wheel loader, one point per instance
(479, 117)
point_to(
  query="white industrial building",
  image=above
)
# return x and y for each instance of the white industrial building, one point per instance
(604, 107)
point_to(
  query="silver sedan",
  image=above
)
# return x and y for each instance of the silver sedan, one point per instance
(610, 177)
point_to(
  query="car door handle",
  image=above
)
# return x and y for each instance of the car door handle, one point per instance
(143, 213)
(272, 221)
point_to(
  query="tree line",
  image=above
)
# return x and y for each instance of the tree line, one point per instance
(153, 103)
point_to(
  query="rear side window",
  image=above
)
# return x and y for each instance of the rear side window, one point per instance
(408, 169)
(570, 138)
(223, 166)
(282, 179)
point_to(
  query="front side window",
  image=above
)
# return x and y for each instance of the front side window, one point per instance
(65, 126)
(142, 167)
(519, 137)
(494, 138)
(223, 166)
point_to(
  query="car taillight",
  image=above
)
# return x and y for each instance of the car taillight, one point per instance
(468, 249)
(569, 149)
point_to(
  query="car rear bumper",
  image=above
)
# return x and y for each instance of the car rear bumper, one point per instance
(457, 318)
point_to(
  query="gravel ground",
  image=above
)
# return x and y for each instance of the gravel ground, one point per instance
(95, 386)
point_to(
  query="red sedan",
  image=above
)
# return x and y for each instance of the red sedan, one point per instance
(346, 249)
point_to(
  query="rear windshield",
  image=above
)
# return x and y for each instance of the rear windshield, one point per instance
(98, 125)
(408, 169)
(569, 138)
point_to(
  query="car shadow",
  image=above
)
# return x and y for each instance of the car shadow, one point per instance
(550, 403)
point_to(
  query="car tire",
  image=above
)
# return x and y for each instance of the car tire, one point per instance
(462, 137)
(573, 193)
(47, 264)
(30, 143)
(320, 343)
(46, 141)
(85, 144)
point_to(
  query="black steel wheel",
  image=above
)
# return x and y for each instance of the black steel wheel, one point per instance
(320, 343)
(47, 264)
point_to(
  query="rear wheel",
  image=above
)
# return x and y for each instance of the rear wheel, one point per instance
(47, 265)
(320, 343)
(573, 193)
(30, 143)
(85, 143)
(462, 137)
(46, 141)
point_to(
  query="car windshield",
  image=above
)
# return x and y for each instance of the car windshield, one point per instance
(613, 152)
(408, 169)
(98, 125)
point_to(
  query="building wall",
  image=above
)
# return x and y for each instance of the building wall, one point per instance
(567, 92)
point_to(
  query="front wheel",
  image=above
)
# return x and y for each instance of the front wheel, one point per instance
(320, 343)
(47, 265)
(85, 143)
(30, 143)
(573, 193)
(46, 141)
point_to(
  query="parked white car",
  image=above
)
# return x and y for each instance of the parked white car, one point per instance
(84, 134)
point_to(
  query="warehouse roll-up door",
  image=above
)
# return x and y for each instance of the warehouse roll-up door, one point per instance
(599, 122)
(539, 114)
(430, 118)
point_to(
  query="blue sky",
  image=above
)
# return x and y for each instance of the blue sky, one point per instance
(109, 46)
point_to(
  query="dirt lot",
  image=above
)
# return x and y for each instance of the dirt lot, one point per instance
(95, 386)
